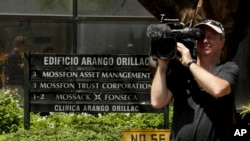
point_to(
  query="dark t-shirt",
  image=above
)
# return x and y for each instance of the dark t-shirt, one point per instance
(15, 75)
(198, 116)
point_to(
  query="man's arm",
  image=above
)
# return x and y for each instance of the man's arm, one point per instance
(211, 83)
(160, 94)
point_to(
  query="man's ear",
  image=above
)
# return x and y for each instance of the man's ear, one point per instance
(223, 41)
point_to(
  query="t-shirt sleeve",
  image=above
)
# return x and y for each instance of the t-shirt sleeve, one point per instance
(230, 72)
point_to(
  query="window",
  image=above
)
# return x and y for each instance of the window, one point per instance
(112, 37)
(111, 8)
(76, 26)
(107, 26)
(36, 7)
(39, 34)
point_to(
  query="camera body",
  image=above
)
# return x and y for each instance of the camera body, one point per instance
(164, 37)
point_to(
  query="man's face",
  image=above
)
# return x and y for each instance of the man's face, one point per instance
(212, 43)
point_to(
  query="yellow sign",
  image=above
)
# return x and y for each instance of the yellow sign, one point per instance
(146, 135)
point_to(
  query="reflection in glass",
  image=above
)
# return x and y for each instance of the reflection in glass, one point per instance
(111, 8)
(113, 38)
(40, 35)
(41, 7)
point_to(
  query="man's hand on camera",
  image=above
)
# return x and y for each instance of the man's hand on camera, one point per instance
(185, 55)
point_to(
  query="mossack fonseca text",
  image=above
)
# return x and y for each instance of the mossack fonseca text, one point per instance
(97, 61)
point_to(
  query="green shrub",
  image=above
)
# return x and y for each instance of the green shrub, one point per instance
(85, 127)
(245, 110)
(11, 114)
(70, 126)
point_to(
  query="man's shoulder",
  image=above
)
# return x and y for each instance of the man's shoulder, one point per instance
(228, 62)
(229, 65)
(227, 70)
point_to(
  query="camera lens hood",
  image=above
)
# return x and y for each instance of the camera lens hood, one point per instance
(164, 48)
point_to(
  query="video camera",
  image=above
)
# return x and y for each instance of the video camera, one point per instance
(164, 37)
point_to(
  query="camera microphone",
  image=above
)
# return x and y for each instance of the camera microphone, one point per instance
(157, 31)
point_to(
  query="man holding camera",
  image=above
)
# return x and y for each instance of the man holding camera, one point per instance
(202, 88)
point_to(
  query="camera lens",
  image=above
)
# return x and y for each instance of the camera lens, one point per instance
(164, 48)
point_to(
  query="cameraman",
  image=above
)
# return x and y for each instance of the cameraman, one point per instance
(202, 88)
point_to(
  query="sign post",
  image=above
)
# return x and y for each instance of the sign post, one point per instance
(26, 92)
